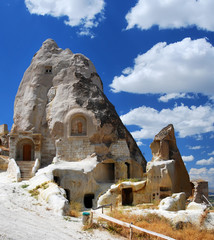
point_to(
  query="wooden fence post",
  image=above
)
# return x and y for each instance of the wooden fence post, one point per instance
(131, 230)
(91, 219)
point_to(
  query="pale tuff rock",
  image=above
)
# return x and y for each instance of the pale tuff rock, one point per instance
(60, 89)
(165, 175)
(164, 148)
(174, 203)
(62, 114)
(193, 206)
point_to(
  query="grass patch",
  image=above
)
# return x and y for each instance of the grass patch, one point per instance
(128, 180)
(91, 226)
(24, 185)
(34, 192)
(158, 224)
(75, 208)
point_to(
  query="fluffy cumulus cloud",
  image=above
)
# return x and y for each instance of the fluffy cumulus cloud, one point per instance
(203, 173)
(180, 67)
(83, 13)
(172, 14)
(212, 153)
(203, 162)
(188, 121)
(170, 96)
(188, 158)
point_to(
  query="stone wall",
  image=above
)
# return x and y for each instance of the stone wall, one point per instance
(3, 129)
(17, 141)
(48, 151)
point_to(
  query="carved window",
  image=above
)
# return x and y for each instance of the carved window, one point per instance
(78, 126)
(48, 69)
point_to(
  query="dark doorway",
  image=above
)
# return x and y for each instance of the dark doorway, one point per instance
(88, 200)
(27, 152)
(127, 196)
(110, 172)
(68, 194)
(128, 169)
(57, 180)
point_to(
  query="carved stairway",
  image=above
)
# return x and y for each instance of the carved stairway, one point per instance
(25, 169)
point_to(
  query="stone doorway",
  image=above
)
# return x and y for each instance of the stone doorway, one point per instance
(88, 200)
(27, 152)
(127, 196)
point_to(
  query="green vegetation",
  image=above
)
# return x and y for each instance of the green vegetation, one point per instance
(128, 180)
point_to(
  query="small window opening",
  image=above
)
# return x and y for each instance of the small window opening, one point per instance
(48, 69)
(67, 191)
(164, 189)
(128, 169)
(127, 196)
(88, 200)
(162, 195)
(57, 180)
(109, 168)
(78, 126)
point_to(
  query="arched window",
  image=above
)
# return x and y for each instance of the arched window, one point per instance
(78, 126)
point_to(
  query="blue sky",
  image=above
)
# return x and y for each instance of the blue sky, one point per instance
(155, 58)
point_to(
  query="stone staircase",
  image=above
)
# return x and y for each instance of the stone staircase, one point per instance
(25, 169)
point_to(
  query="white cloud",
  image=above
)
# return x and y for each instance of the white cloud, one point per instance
(198, 137)
(187, 121)
(180, 67)
(170, 96)
(212, 153)
(188, 158)
(172, 14)
(209, 161)
(203, 173)
(194, 147)
(83, 13)
(139, 143)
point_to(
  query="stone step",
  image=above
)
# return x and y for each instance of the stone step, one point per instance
(25, 169)
(25, 163)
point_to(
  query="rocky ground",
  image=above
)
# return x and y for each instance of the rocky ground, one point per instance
(23, 217)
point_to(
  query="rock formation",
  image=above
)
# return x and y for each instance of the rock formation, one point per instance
(200, 191)
(165, 174)
(4, 150)
(174, 203)
(61, 113)
(61, 89)
(164, 148)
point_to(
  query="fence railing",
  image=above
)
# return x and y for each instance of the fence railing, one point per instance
(125, 224)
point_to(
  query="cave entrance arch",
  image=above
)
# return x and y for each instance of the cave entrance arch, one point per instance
(127, 196)
(88, 200)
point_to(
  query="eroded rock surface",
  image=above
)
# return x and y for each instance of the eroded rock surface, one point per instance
(163, 148)
(174, 203)
(59, 89)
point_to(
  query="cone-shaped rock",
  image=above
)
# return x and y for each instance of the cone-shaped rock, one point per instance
(60, 110)
(164, 148)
